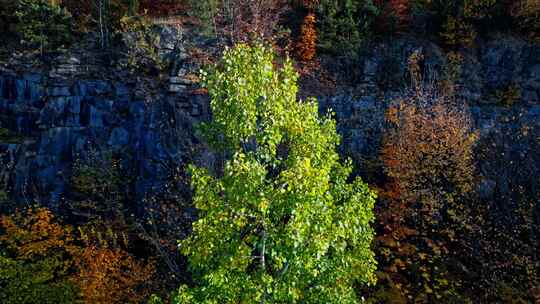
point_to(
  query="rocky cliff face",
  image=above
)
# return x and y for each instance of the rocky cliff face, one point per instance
(80, 102)
(499, 81)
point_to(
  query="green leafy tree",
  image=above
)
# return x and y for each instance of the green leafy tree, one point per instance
(284, 222)
(43, 25)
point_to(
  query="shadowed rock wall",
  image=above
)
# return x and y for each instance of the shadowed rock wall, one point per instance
(58, 114)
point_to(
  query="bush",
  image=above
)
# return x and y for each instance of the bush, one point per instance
(512, 225)
(344, 25)
(102, 16)
(526, 14)
(458, 32)
(43, 261)
(81, 11)
(429, 155)
(479, 9)
(394, 15)
(41, 25)
(459, 22)
(425, 206)
(109, 274)
(307, 45)
(35, 260)
(282, 223)
(98, 189)
(159, 8)
(240, 20)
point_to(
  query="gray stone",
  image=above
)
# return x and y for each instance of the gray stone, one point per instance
(177, 88)
(180, 80)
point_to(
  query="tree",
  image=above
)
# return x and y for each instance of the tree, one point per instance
(429, 154)
(426, 214)
(111, 275)
(35, 259)
(240, 20)
(307, 45)
(42, 261)
(41, 24)
(344, 25)
(282, 223)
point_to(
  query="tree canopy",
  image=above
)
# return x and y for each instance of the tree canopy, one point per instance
(284, 222)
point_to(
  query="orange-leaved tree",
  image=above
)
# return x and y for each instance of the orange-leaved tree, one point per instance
(35, 258)
(307, 45)
(428, 160)
(44, 261)
(107, 273)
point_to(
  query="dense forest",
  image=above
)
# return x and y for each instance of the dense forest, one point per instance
(270, 151)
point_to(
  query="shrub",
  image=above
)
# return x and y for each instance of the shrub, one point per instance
(282, 223)
(207, 13)
(35, 262)
(81, 11)
(508, 96)
(458, 32)
(106, 271)
(401, 11)
(43, 261)
(429, 156)
(344, 25)
(428, 159)
(102, 16)
(307, 45)
(7, 15)
(142, 55)
(479, 9)
(41, 25)
(240, 20)
(98, 187)
(394, 15)
(459, 22)
(452, 73)
(511, 212)
(111, 275)
(527, 16)
(160, 8)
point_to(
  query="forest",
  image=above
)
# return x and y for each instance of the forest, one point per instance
(269, 151)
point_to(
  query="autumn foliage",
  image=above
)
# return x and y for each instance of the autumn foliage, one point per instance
(160, 8)
(44, 261)
(35, 258)
(110, 275)
(428, 160)
(35, 233)
(429, 156)
(107, 273)
(307, 45)
(394, 15)
(240, 20)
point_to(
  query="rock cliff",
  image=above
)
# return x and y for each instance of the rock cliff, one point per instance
(54, 114)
